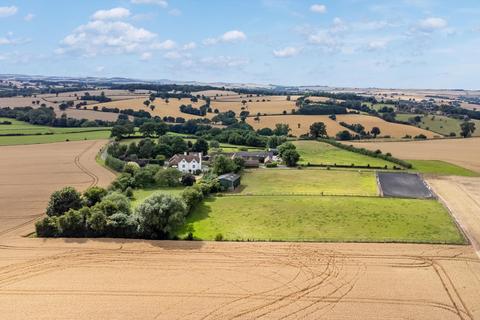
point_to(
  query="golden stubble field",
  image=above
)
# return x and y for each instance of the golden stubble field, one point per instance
(463, 152)
(136, 279)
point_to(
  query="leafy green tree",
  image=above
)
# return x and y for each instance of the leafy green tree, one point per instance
(214, 144)
(284, 147)
(221, 165)
(318, 129)
(146, 176)
(201, 145)
(148, 128)
(169, 177)
(192, 196)
(281, 129)
(47, 227)
(131, 167)
(63, 200)
(96, 223)
(72, 223)
(375, 131)
(274, 141)
(265, 132)
(188, 179)
(121, 131)
(467, 129)
(160, 215)
(291, 157)
(114, 202)
(344, 135)
(93, 195)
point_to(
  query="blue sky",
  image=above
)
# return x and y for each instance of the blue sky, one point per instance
(354, 43)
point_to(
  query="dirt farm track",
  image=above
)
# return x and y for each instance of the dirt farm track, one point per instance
(129, 279)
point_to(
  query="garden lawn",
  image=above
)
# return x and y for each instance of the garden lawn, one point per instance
(49, 138)
(141, 194)
(309, 218)
(441, 168)
(315, 152)
(309, 181)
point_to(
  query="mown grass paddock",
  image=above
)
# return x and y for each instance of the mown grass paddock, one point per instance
(327, 218)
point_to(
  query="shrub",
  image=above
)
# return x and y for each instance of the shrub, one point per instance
(290, 157)
(159, 215)
(63, 200)
(145, 177)
(219, 237)
(114, 163)
(188, 179)
(221, 164)
(72, 223)
(96, 223)
(47, 227)
(131, 167)
(271, 165)
(113, 203)
(121, 224)
(93, 195)
(169, 177)
(284, 147)
(122, 182)
(192, 196)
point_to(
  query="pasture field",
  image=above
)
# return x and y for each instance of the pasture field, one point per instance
(309, 181)
(438, 167)
(440, 124)
(462, 152)
(300, 124)
(21, 127)
(316, 218)
(315, 152)
(394, 130)
(49, 138)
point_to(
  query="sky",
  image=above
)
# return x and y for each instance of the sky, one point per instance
(349, 43)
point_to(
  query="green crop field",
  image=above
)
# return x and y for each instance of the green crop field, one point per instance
(440, 124)
(315, 152)
(49, 138)
(20, 127)
(317, 218)
(441, 168)
(309, 181)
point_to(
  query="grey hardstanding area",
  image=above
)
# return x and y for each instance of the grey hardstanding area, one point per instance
(403, 185)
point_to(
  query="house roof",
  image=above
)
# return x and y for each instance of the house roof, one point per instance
(176, 159)
(229, 177)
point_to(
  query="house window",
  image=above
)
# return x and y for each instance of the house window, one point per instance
(193, 166)
(183, 166)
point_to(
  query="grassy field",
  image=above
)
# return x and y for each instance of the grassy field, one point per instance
(20, 127)
(141, 194)
(60, 137)
(441, 168)
(315, 152)
(309, 218)
(440, 124)
(309, 181)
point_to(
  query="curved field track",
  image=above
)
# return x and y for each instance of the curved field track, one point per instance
(136, 279)
(30, 173)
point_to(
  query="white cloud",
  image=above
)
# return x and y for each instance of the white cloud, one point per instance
(112, 14)
(5, 41)
(29, 17)
(8, 11)
(189, 46)
(378, 44)
(175, 12)
(224, 61)
(107, 37)
(146, 56)
(318, 8)
(173, 55)
(286, 52)
(99, 69)
(432, 24)
(229, 36)
(161, 3)
(165, 45)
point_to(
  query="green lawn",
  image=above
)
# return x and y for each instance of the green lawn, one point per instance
(309, 181)
(141, 194)
(315, 152)
(441, 168)
(310, 218)
(37, 139)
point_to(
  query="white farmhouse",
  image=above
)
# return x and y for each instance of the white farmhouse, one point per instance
(187, 162)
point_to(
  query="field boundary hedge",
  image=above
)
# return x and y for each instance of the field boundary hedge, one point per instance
(114, 163)
(367, 152)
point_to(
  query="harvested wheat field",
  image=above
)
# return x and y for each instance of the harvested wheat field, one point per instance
(254, 107)
(300, 124)
(161, 107)
(395, 130)
(213, 93)
(136, 279)
(30, 173)
(463, 152)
